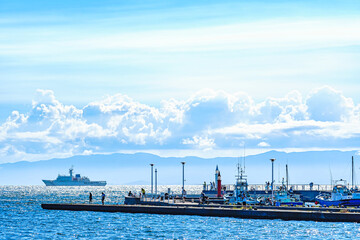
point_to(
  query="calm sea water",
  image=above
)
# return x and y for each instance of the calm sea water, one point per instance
(21, 217)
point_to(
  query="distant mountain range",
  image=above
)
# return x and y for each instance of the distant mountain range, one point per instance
(118, 168)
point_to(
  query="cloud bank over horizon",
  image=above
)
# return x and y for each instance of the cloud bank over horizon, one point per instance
(208, 120)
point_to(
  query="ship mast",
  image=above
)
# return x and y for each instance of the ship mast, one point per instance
(244, 157)
(238, 172)
(287, 177)
(352, 172)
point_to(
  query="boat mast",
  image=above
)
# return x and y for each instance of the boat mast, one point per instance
(287, 177)
(238, 171)
(244, 157)
(352, 172)
(331, 178)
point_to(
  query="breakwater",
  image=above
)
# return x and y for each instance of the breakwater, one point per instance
(284, 214)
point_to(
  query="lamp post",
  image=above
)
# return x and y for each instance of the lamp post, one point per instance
(272, 178)
(183, 178)
(155, 181)
(152, 165)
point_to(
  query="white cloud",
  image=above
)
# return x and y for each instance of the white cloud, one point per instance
(207, 120)
(13, 122)
(327, 104)
(263, 144)
(294, 34)
(204, 143)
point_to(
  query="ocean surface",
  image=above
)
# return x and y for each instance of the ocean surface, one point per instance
(21, 217)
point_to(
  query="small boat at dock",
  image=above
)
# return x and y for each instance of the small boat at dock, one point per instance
(340, 196)
(240, 195)
(283, 198)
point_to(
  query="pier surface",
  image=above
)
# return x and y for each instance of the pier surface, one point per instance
(284, 214)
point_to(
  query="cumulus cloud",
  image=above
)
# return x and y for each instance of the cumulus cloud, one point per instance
(205, 143)
(209, 119)
(263, 144)
(327, 104)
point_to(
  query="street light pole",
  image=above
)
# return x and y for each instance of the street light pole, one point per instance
(155, 181)
(152, 165)
(272, 179)
(183, 178)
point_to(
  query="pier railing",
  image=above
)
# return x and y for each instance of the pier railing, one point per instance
(171, 199)
(295, 187)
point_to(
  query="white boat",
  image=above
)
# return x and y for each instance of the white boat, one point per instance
(70, 180)
(340, 196)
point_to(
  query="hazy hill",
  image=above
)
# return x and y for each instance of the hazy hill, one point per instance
(134, 168)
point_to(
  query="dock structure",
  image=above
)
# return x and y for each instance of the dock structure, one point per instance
(257, 207)
(284, 214)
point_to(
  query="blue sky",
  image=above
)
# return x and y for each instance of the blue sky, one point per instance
(281, 62)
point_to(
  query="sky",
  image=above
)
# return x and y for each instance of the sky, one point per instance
(177, 77)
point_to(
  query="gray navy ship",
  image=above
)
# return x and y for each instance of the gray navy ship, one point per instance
(70, 180)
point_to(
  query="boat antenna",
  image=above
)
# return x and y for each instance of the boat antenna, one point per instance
(238, 168)
(287, 177)
(244, 157)
(331, 178)
(279, 173)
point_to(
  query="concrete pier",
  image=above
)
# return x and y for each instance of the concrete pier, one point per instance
(187, 204)
(284, 214)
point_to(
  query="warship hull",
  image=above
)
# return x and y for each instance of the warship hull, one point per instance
(74, 183)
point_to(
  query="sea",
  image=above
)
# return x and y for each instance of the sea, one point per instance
(21, 217)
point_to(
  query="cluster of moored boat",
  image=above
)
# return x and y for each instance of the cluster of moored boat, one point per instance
(340, 196)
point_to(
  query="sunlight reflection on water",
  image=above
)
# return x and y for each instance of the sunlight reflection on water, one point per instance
(22, 217)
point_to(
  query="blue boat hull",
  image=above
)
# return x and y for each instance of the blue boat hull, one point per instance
(345, 202)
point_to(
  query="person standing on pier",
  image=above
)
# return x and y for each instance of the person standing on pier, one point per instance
(102, 198)
(90, 197)
(142, 194)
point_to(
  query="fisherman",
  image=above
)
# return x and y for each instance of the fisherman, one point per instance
(203, 198)
(183, 192)
(102, 198)
(142, 193)
(267, 187)
(90, 197)
(130, 194)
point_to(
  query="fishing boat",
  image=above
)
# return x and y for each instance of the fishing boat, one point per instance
(340, 196)
(240, 195)
(283, 198)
